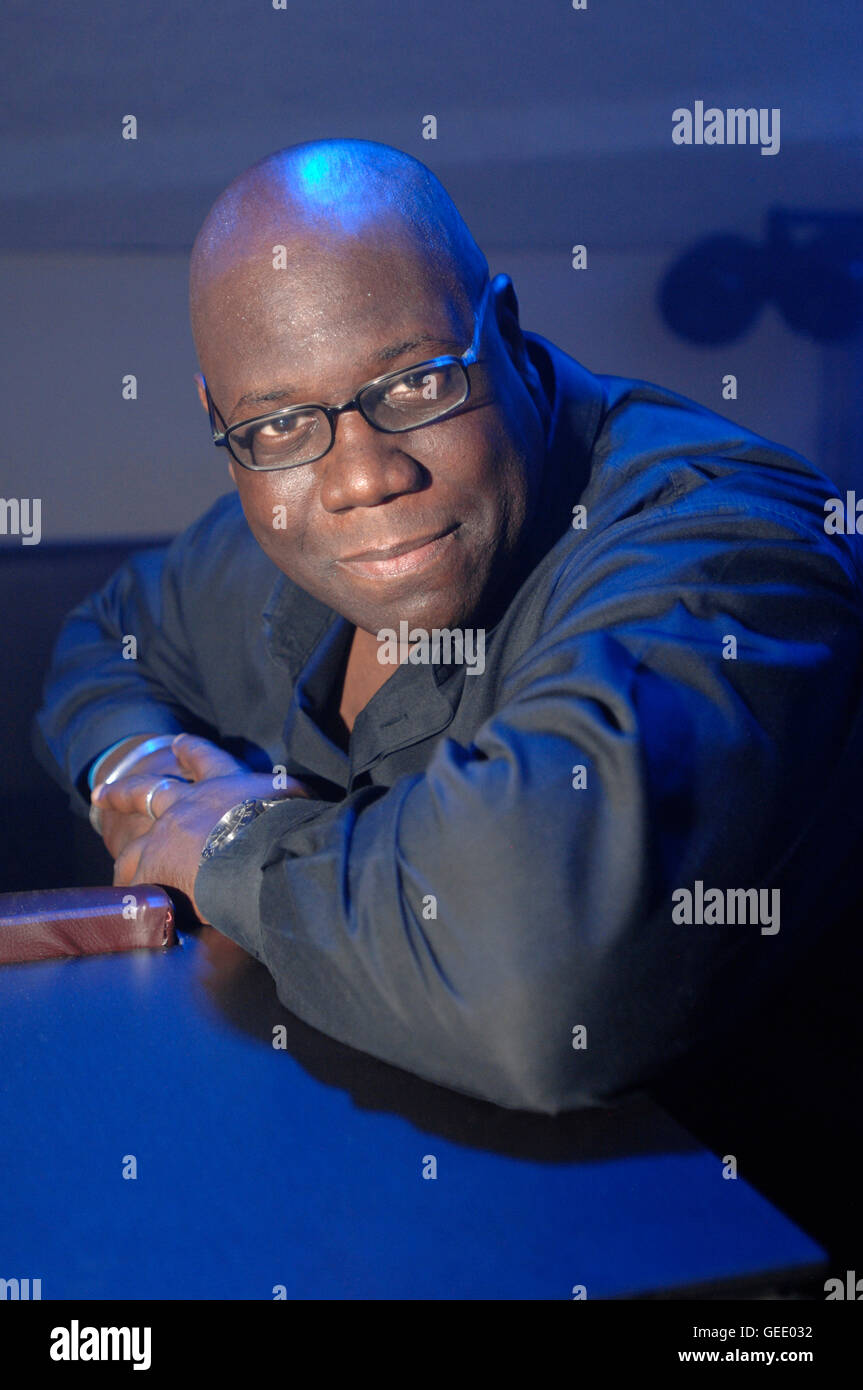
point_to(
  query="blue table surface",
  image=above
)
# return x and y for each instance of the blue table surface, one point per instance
(303, 1168)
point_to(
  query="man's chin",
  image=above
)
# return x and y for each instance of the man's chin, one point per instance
(418, 614)
(409, 601)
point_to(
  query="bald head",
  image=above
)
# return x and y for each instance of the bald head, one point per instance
(329, 193)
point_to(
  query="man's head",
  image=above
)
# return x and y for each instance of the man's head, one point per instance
(379, 273)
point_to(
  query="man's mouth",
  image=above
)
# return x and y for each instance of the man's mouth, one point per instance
(403, 557)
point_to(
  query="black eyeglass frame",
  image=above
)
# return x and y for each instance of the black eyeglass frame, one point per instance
(467, 359)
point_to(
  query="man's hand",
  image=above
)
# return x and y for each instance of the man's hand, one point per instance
(168, 851)
(118, 828)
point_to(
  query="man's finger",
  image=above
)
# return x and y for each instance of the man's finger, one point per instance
(143, 796)
(127, 862)
(119, 830)
(202, 759)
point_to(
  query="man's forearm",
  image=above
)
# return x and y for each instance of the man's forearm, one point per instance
(97, 694)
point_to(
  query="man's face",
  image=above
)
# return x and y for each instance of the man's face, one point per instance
(338, 317)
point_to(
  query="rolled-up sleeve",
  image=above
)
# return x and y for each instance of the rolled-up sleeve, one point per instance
(502, 922)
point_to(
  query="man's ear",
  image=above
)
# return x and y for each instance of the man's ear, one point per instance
(506, 312)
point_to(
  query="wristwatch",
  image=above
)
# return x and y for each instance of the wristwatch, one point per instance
(235, 820)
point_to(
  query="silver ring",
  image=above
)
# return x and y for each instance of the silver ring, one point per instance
(148, 800)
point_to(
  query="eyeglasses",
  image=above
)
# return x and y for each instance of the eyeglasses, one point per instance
(393, 403)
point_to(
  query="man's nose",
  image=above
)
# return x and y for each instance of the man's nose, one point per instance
(365, 466)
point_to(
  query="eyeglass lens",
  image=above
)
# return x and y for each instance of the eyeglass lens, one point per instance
(412, 398)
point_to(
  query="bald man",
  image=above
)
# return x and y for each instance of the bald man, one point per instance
(506, 712)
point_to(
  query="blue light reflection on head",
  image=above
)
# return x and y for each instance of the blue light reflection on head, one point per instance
(334, 187)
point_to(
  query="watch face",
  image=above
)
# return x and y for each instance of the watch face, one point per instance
(234, 821)
(229, 826)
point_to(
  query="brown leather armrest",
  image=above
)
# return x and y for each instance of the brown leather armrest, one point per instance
(84, 922)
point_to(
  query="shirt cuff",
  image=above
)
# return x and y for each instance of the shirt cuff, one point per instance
(228, 885)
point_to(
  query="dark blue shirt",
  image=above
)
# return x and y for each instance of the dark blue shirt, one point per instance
(460, 900)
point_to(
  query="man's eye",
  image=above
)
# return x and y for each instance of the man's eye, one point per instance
(287, 434)
(412, 386)
(283, 427)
